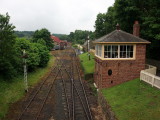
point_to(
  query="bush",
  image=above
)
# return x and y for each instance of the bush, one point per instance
(43, 54)
(38, 54)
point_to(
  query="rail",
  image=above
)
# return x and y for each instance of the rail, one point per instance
(20, 117)
(75, 90)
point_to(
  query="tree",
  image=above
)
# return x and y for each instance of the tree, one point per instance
(80, 36)
(100, 28)
(125, 12)
(110, 20)
(45, 35)
(43, 53)
(8, 63)
(38, 54)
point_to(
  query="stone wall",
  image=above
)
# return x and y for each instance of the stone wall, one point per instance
(106, 109)
(122, 70)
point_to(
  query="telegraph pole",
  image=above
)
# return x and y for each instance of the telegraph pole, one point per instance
(25, 71)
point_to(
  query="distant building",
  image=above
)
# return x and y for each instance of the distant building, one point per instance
(119, 57)
(58, 44)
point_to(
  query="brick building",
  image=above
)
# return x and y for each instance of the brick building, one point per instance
(119, 57)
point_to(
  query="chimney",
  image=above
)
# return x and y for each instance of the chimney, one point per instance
(136, 28)
(117, 27)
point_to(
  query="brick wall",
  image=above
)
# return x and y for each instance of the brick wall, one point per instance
(122, 70)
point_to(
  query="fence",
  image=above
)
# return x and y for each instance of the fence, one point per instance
(149, 75)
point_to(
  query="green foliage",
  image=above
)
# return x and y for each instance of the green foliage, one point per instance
(125, 12)
(7, 48)
(100, 25)
(80, 36)
(45, 35)
(88, 65)
(139, 100)
(26, 34)
(38, 54)
(62, 36)
(43, 54)
(11, 49)
(33, 57)
(11, 92)
(75, 46)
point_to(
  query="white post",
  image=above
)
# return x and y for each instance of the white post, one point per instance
(152, 81)
(25, 71)
(88, 46)
(88, 49)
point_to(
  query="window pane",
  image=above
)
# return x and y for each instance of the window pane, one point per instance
(105, 48)
(107, 54)
(96, 49)
(115, 48)
(122, 54)
(122, 47)
(109, 48)
(111, 51)
(129, 54)
(129, 47)
(100, 50)
(115, 54)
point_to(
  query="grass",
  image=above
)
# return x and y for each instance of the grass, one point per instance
(11, 92)
(87, 65)
(88, 69)
(134, 100)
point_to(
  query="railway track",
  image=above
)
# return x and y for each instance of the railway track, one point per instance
(75, 100)
(38, 98)
(64, 82)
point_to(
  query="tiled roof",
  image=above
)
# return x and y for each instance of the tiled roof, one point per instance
(121, 36)
(56, 39)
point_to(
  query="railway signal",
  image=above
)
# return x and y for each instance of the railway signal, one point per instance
(25, 56)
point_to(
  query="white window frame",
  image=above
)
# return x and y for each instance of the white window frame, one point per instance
(110, 52)
(119, 52)
(99, 50)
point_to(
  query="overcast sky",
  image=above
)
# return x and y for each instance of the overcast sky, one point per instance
(58, 16)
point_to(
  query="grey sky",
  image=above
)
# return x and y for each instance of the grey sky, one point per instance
(58, 16)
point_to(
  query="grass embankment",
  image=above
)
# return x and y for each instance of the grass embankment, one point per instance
(11, 92)
(87, 65)
(88, 69)
(134, 100)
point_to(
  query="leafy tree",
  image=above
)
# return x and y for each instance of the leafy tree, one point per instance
(43, 53)
(80, 36)
(125, 12)
(8, 61)
(62, 36)
(110, 22)
(45, 35)
(38, 54)
(33, 57)
(26, 34)
(100, 28)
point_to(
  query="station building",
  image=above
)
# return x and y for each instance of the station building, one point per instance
(119, 57)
